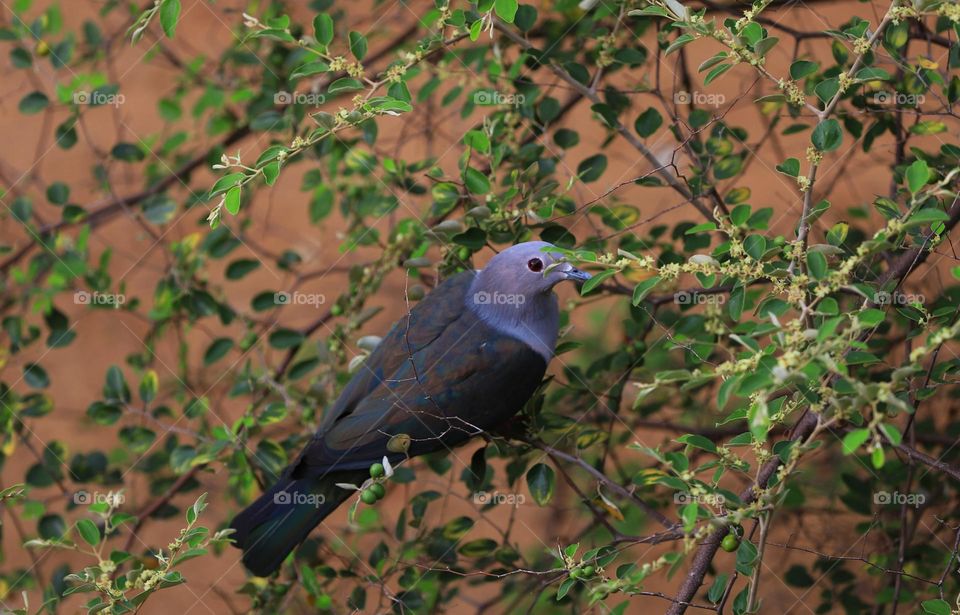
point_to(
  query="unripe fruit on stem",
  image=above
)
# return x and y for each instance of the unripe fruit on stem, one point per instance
(730, 543)
(376, 470)
(378, 490)
(368, 496)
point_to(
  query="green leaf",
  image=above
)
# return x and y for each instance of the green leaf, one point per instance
(928, 127)
(716, 72)
(271, 172)
(596, 281)
(790, 166)
(346, 84)
(128, 152)
(506, 9)
(689, 516)
(678, 43)
(169, 14)
(35, 376)
(643, 289)
(58, 193)
(918, 174)
(323, 29)
(698, 441)
(477, 140)
(475, 181)
(358, 45)
(871, 317)
(115, 386)
(817, 265)
(854, 440)
(700, 228)
(648, 122)
(217, 350)
(592, 168)
(241, 267)
(89, 532)
(759, 417)
(827, 89)
(540, 482)
(285, 338)
(310, 68)
(803, 68)
(892, 433)
(872, 73)
(827, 136)
(196, 407)
(755, 246)
(936, 607)
(232, 200)
(34, 102)
(926, 216)
(149, 385)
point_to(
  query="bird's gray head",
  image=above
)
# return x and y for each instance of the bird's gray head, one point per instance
(513, 293)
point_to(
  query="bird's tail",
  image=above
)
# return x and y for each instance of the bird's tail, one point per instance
(270, 528)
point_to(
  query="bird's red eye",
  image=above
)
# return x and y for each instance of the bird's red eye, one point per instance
(535, 265)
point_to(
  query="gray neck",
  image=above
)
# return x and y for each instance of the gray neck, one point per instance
(535, 321)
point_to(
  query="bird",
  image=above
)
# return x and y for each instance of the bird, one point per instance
(463, 360)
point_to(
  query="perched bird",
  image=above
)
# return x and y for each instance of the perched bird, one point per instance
(465, 359)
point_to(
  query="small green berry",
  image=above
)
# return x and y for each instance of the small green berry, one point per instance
(576, 573)
(588, 571)
(730, 543)
(378, 490)
(324, 602)
(368, 496)
(376, 470)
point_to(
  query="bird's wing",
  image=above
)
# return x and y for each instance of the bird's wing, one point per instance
(469, 379)
(424, 323)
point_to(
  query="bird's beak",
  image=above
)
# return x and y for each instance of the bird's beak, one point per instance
(576, 275)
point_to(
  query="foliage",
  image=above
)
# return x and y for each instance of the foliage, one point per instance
(800, 355)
